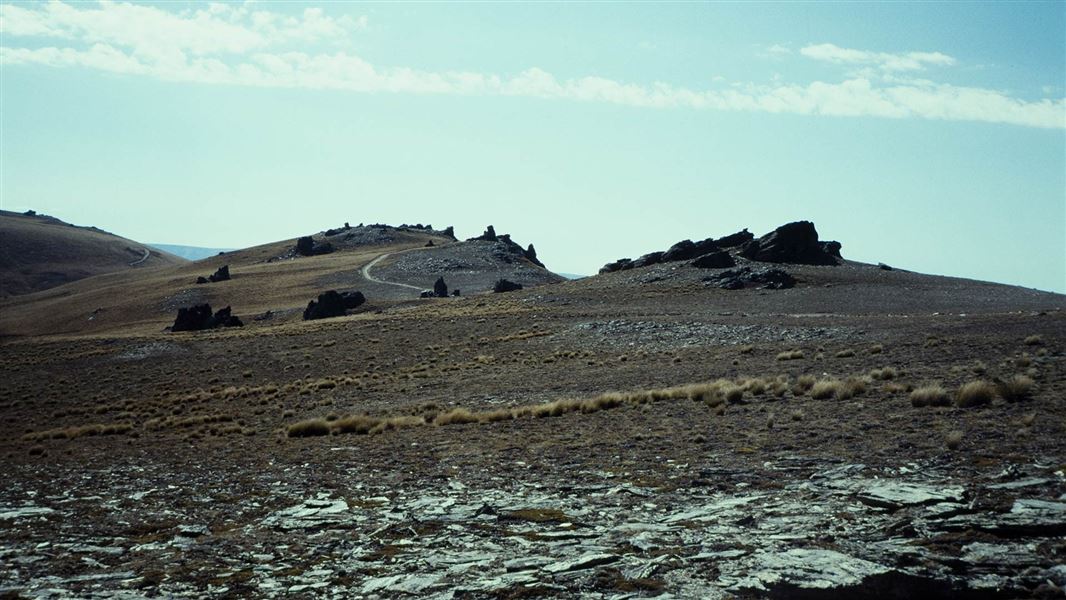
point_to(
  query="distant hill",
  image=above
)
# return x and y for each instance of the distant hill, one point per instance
(190, 252)
(38, 252)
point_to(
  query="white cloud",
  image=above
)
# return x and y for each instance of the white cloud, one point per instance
(909, 61)
(231, 45)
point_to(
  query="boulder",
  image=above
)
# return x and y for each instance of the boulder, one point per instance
(427, 294)
(440, 289)
(306, 246)
(200, 317)
(450, 232)
(715, 260)
(430, 244)
(201, 280)
(488, 236)
(531, 254)
(619, 265)
(795, 243)
(332, 304)
(222, 274)
(649, 259)
(455, 292)
(735, 239)
(506, 286)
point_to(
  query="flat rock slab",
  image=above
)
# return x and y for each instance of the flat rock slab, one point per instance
(803, 569)
(309, 515)
(586, 561)
(1027, 517)
(895, 495)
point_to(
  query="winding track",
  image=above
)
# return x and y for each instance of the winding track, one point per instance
(365, 271)
(147, 253)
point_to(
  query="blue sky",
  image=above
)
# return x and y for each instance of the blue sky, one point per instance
(930, 136)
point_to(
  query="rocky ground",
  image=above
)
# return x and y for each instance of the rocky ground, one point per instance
(160, 465)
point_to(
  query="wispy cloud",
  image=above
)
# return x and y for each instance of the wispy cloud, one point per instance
(908, 61)
(224, 44)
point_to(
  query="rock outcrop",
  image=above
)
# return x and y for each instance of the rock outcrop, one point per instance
(307, 246)
(222, 274)
(440, 289)
(736, 239)
(715, 260)
(200, 317)
(503, 285)
(795, 243)
(333, 304)
(507, 247)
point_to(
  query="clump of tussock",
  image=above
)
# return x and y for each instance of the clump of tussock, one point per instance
(930, 395)
(848, 353)
(790, 355)
(308, 428)
(803, 384)
(1016, 388)
(357, 424)
(953, 439)
(975, 393)
(840, 390)
(884, 374)
(1034, 340)
(877, 349)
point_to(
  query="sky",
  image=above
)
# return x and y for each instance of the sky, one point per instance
(930, 136)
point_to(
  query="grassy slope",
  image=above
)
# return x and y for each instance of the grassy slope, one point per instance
(38, 253)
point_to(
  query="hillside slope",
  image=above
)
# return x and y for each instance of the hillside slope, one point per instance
(271, 277)
(39, 252)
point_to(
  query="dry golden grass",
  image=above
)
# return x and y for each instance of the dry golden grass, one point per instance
(835, 388)
(877, 349)
(1016, 388)
(71, 433)
(457, 416)
(790, 355)
(930, 395)
(975, 393)
(884, 374)
(845, 353)
(308, 428)
(1034, 340)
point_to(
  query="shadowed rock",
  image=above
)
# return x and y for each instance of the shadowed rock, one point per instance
(222, 274)
(306, 246)
(440, 289)
(735, 279)
(332, 304)
(736, 239)
(714, 260)
(795, 243)
(503, 285)
(200, 317)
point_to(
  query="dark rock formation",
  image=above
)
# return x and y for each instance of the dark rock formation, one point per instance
(735, 279)
(222, 274)
(531, 254)
(440, 289)
(795, 243)
(736, 239)
(455, 292)
(651, 258)
(450, 231)
(264, 317)
(332, 304)
(306, 246)
(430, 244)
(200, 317)
(619, 265)
(488, 236)
(427, 294)
(506, 286)
(883, 266)
(715, 260)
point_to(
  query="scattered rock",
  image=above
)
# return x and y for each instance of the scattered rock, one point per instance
(883, 266)
(199, 317)
(735, 279)
(488, 236)
(586, 561)
(222, 274)
(503, 285)
(332, 304)
(894, 495)
(795, 243)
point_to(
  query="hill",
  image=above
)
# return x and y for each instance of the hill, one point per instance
(732, 417)
(39, 252)
(190, 252)
(388, 264)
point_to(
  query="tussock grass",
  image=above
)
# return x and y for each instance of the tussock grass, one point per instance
(308, 428)
(1034, 340)
(877, 349)
(1016, 388)
(803, 384)
(953, 439)
(72, 433)
(845, 353)
(884, 374)
(458, 416)
(930, 395)
(790, 355)
(975, 393)
(835, 388)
